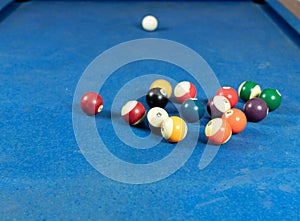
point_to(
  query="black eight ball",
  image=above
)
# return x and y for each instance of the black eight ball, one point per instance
(157, 97)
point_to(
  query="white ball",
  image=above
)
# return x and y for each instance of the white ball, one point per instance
(149, 23)
(156, 116)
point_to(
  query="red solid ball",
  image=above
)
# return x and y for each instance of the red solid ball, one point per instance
(91, 103)
(230, 94)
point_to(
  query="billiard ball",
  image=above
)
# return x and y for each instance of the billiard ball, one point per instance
(218, 131)
(192, 110)
(174, 129)
(230, 94)
(237, 120)
(91, 103)
(248, 90)
(156, 116)
(133, 112)
(272, 97)
(184, 90)
(157, 97)
(149, 23)
(256, 109)
(161, 83)
(217, 106)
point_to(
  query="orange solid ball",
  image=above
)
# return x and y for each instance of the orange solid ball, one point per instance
(237, 120)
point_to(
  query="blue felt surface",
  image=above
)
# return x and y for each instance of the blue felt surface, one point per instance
(4, 3)
(285, 13)
(44, 49)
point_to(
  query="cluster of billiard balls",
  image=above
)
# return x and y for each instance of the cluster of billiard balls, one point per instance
(226, 120)
(172, 128)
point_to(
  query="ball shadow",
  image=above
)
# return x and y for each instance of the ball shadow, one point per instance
(202, 138)
(114, 115)
(142, 126)
(75, 108)
(173, 100)
(155, 130)
(104, 114)
(159, 29)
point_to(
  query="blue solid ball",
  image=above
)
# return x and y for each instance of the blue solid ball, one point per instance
(192, 110)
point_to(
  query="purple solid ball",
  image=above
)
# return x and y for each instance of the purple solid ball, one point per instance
(256, 109)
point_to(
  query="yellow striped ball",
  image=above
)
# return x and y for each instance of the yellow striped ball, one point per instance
(174, 129)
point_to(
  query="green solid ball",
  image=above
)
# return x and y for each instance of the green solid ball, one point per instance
(248, 90)
(272, 97)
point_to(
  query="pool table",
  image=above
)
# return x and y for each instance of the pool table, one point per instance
(56, 163)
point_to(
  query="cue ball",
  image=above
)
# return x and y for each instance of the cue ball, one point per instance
(149, 23)
(174, 129)
(236, 118)
(218, 131)
(91, 103)
(256, 109)
(184, 90)
(192, 110)
(133, 112)
(156, 116)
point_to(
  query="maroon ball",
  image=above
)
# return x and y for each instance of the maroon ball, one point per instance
(217, 106)
(91, 103)
(256, 109)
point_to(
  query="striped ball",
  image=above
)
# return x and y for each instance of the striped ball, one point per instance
(217, 106)
(218, 131)
(133, 112)
(248, 90)
(184, 90)
(174, 129)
